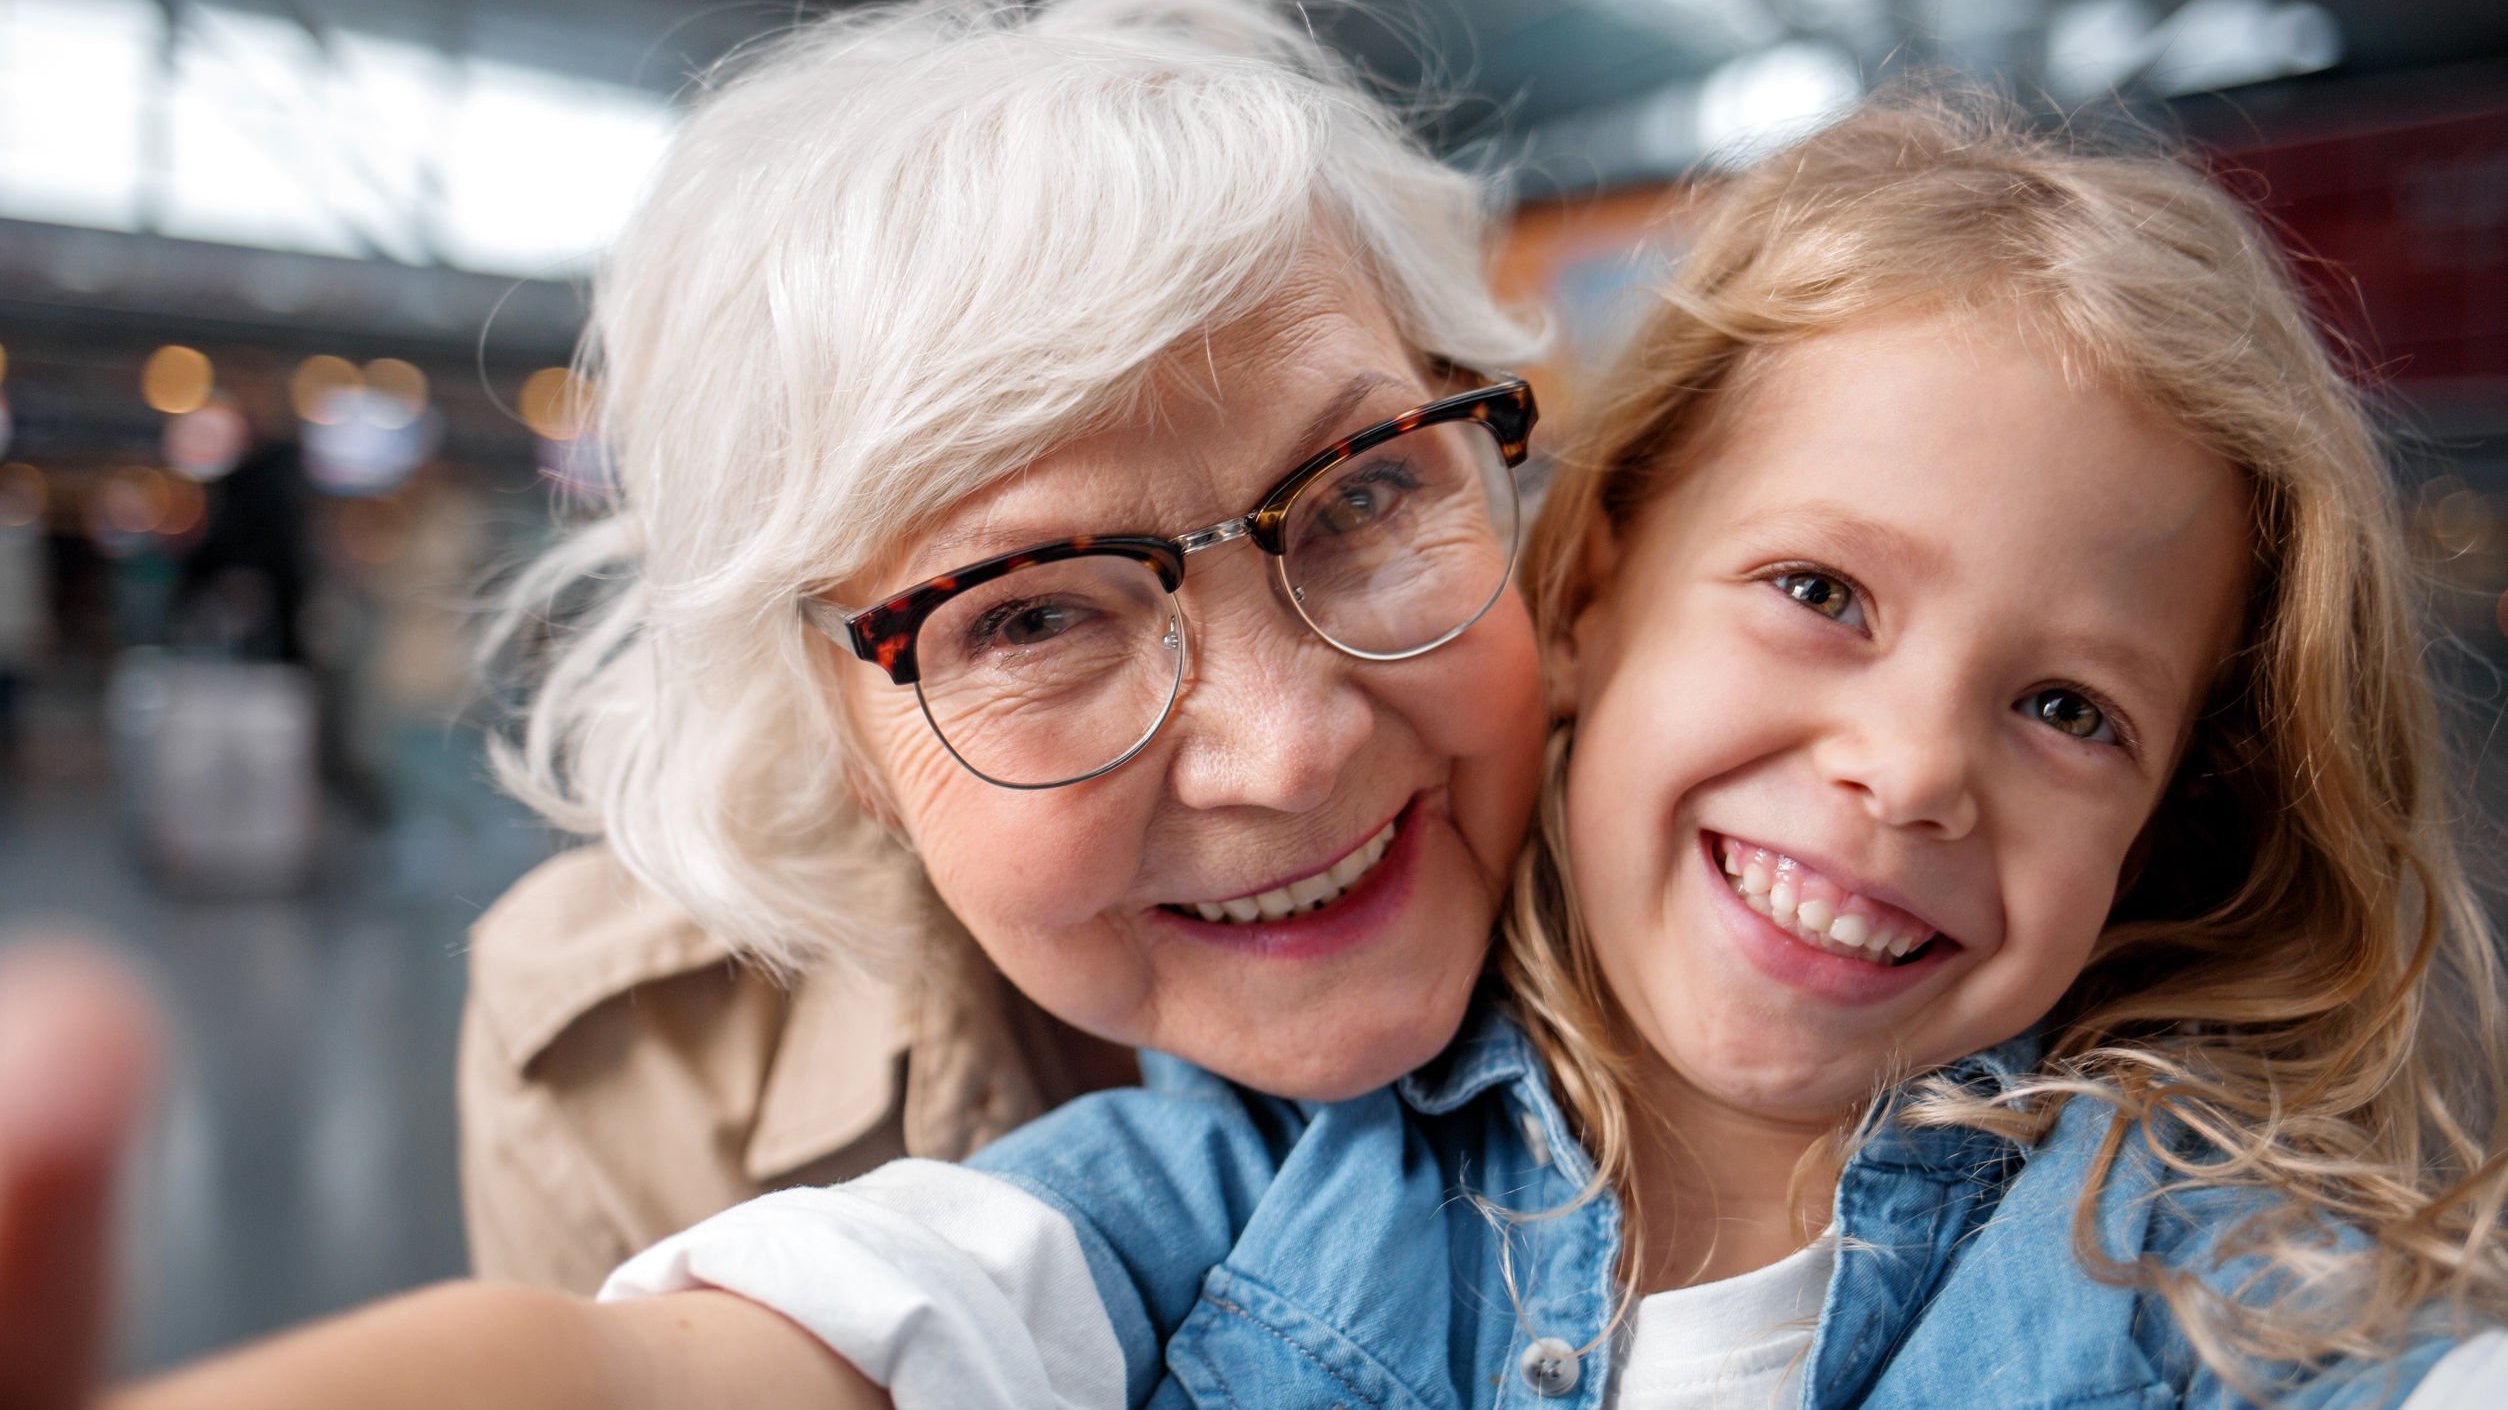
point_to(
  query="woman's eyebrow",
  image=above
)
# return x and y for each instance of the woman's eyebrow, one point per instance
(1337, 410)
(953, 547)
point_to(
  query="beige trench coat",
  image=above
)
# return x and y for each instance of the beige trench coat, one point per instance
(622, 1075)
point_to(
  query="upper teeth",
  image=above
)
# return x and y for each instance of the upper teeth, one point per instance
(1771, 884)
(1321, 889)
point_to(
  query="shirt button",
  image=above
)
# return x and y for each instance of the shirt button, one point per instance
(1550, 1367)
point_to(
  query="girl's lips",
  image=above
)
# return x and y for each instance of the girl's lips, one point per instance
(1780, 955)
(1366, 910)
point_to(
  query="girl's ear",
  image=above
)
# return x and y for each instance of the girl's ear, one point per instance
(1574, 642)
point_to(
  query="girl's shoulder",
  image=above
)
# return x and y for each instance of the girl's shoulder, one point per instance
(2069, 1289)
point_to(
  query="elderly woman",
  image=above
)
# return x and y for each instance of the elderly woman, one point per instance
(1059, 535)
(1056, 540)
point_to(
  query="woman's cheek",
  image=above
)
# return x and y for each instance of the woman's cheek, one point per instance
(1010, 861)
(1488, 716)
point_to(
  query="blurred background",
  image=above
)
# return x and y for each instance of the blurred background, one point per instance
(287, 290)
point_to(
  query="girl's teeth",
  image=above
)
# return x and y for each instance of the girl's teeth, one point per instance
(1282, 902)
(1782, 898)
(1834, 919)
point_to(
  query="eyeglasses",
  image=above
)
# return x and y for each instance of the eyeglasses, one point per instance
(1057, 663)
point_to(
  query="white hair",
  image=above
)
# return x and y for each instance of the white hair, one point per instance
(894, 256)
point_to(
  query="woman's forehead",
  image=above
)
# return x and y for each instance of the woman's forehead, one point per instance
(1196, 454)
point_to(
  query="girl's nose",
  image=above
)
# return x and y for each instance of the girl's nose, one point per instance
(1906, 754)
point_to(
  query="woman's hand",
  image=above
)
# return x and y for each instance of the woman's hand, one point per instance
(79, 1044)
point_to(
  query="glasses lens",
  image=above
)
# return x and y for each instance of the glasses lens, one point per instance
(1052, 672)
(1402, 546)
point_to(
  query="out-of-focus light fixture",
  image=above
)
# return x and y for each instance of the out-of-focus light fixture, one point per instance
(176, 379)
(207, 441)
(401, 392)
(1761, 101)
(315, 387)
(4, 362)
(132, 501)
(185, 506)
(2095, 46)
(22, 495)
(555, 404)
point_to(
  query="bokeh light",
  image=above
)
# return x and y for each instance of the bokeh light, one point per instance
(186, 505)
(207, 442)
(4, 362)
(176, 379)
(315, 387)
(402, 390)
(2461, 520)
(22, 495)
(555, 404)
(132, 501)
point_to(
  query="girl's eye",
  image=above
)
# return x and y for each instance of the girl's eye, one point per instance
(1823, 593)
(2071, 712)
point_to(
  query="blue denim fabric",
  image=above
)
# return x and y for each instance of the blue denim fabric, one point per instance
(1252, 1251)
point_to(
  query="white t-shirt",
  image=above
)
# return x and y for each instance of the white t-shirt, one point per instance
(1737, 1344)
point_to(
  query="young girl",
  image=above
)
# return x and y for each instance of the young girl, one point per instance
(1990, 679)
(1988, 682)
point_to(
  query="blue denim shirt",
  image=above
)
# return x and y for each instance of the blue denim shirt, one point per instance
(1433, 1244)
(1252, 1251)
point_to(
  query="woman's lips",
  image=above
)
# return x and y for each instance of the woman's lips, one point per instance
(1313, 891)
(1818, 963)
(1362, 908)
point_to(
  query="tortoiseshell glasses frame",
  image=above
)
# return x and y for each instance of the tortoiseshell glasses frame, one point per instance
(885, 634)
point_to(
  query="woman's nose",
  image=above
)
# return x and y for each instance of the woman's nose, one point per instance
(1908, 753)
(1271, 717)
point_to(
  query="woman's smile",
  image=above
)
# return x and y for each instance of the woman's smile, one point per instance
(1342, 905)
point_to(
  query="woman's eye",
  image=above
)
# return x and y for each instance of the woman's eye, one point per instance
(1822, 593)
(2071, 712)
(1360, 501)
(1026, 623)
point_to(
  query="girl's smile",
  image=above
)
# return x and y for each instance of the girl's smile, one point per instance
(1898, 663)
(1809, 928)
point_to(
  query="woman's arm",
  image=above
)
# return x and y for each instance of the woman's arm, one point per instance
(497, 1346)
(78, 1042)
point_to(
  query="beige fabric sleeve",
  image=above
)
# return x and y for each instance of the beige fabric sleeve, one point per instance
(525, 1188)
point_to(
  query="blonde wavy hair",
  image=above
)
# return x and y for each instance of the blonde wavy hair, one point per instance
(892, 257)
(2300, 976)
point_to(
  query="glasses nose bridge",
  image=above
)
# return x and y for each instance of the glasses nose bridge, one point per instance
(1222, 532)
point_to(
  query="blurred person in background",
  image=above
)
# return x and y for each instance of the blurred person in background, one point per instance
(25, 604)
(243, 586)
(977, 333)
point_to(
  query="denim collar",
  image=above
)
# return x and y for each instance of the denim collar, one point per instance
(1952, 1154)
(1493, 1051)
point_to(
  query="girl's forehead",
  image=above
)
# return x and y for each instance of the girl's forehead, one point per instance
(1940, 455)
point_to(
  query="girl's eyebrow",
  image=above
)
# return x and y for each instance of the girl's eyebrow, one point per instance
(1829, 522)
